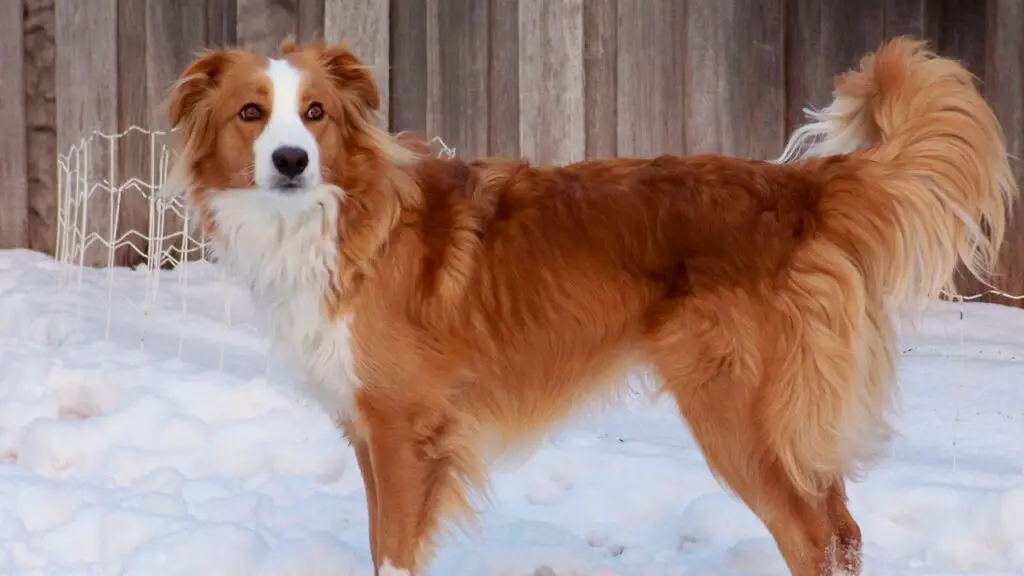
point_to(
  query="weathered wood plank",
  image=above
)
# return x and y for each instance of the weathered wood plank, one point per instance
(503, 79)
(552, 118)
(408, 38)
(757, 102)
(133, 110)
(86, 72)
(600, 38)
(1005, 53)
(916, 18)
(41, 119)
(961, 29)
(364, 24)
(707, 81)
(221, 23)
(13, 153)
(264, 24)
(1004, 90)
(825, 39)
(735, 91)
(180, 31)
(457, 81)
(651, 59)
(309, 20)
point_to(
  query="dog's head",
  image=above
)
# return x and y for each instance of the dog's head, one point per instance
(286, 143)
(285, 122)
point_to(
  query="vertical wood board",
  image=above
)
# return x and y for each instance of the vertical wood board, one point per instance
(651, 65)
(503, 83)
(552, 116)
(825, 39)
(408, 77)
(600, 52)
(133, 113)
(40, 54)
(14, 140)
(86, 87)
(264, 24)
(365, 25)
(457, 79)
(1004, 90)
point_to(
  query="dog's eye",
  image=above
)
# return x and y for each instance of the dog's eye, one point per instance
(314, 112)
(250, 112)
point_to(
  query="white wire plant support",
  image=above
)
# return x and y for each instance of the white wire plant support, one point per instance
(91, 198)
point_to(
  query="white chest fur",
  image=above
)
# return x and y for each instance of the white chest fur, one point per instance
(284, 246)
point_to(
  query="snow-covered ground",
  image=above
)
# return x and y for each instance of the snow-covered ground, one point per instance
(174, 448)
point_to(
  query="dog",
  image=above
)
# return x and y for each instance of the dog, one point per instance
(443, 311)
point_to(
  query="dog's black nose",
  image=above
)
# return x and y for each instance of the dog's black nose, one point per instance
(290, 161)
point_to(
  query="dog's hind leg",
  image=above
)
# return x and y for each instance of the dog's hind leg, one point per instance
(845, 528)
(723, 425)
(699, 354)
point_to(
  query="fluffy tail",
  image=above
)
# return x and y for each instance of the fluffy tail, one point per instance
(941, 158)
(925, 186)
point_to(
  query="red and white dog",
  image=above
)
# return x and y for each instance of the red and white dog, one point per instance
(444, 310)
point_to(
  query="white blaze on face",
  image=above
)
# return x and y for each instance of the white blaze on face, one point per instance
(286, 153)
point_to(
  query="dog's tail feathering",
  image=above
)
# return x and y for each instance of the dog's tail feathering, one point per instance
(925, 187)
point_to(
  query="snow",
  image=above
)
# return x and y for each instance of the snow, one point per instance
(169, 444)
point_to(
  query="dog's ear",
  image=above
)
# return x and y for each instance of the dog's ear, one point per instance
(194, 84)
(351, 74)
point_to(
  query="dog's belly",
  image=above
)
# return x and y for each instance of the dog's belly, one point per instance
(522, 407)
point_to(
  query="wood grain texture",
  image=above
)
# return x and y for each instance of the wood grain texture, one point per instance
(13, 144)
(221, 23)
(916, 18)
(86, 87)
(457, 97)
(503, 79)
(264, 24)
(309, 20)
(133, 110)
(551, 115)
(706, 81)
(961, 30)
(179, 30)
(600, 54)
(825, 39)
(408, 48)
(41, 122)
(1004, 91)
(650, 98)
(757, 77)
(736, 92)
(364, 24)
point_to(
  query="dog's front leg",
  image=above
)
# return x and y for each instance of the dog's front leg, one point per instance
(412, 462)
(362, 450)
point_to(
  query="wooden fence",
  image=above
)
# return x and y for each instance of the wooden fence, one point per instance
(552, 80)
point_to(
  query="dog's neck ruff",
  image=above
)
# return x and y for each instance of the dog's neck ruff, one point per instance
(284, 246)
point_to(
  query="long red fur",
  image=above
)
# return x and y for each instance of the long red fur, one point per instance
(491, 298)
